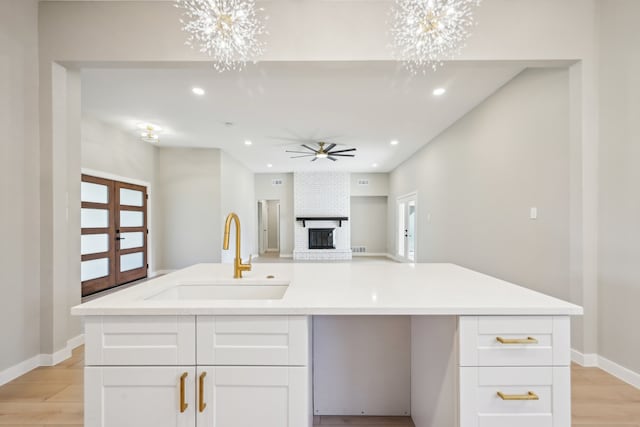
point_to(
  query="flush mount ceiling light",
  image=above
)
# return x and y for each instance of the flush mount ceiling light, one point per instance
(228, 31)
(427, 32)
(149, 132)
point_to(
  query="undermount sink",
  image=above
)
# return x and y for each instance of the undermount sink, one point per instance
(229, 290)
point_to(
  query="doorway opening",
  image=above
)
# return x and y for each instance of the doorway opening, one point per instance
(407, 207)
(269, 228)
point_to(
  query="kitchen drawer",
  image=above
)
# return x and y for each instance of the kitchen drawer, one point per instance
(253, 340)
(480, 340)
(140, 340)
(481, 406)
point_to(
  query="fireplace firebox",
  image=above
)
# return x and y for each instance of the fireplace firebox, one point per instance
(321, 238)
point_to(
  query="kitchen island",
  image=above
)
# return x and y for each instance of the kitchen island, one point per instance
(197, 347)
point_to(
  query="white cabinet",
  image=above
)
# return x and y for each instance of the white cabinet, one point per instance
(514, 371)
(237, 396)
(140, 340)
(253, 340)
(522, 396)
(139, 396)
(184, 371)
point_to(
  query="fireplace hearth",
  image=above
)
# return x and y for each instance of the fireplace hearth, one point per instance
(321, 238)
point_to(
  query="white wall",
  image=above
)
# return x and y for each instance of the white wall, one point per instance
(377, 184)
(237, 194)
(189, 224)
(107, 149)
(265, 190)
(619, 231)
(479, 178)
(369, 223)
(19, 184)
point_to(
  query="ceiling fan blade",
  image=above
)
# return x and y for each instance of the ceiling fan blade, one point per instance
(299, 152)
(309, 148)
(332, 158)
(343, 151)
(305, 155)
(330, 147)
(342, 155)
(314, 159)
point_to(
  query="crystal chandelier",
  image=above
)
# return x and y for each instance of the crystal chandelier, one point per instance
(227, 30)
(426, 32)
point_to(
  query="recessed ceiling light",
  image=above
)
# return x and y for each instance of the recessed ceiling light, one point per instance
(198, 91)
(394, 142)
(269, 165)
(439, 91)
(247, 142)
(375, 165)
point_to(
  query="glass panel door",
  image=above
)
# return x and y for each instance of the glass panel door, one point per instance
(131, 232)
(97, 248)
(114, 233)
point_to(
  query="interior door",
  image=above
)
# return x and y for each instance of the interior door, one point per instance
(113, 233)
(406, 227)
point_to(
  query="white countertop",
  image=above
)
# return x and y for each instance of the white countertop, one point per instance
(371, 288)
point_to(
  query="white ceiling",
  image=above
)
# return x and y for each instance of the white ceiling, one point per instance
(355, 104)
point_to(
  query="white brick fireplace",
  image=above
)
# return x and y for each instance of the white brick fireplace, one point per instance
(324, 195)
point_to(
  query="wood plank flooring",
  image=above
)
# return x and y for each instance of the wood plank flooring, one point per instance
(52, 397)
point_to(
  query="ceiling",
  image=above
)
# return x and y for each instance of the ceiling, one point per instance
(363, 105)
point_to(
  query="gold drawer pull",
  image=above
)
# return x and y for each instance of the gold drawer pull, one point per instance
(183, 404)
(528, 340)
(529, 396)
(201, 404)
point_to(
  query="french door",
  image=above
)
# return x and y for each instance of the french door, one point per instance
(114, 233)
(406, 227)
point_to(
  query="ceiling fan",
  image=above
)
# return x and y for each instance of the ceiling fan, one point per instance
(323, 152)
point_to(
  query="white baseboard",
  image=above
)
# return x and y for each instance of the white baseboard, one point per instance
(376, 254)
(20, 369)
(588, 360)
(620, 372)
(286, 255)
(38, 360)
(596, 361)
(394, 258)
(159, 273)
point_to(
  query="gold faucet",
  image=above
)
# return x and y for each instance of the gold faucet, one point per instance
(238, 266)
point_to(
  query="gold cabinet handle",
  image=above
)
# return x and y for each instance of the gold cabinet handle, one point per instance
(528, 340)
(529, 396)
(201, 404)
(183, 404)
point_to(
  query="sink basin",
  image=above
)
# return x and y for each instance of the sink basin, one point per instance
(223, 291)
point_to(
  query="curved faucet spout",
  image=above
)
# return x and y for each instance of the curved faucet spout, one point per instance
(239, 267)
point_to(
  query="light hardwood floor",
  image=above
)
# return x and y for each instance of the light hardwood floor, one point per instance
(52, 397)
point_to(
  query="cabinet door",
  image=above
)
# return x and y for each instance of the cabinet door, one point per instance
(139, 397)
(254, 396)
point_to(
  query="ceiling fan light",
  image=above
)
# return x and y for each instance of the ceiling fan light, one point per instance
(322, 155)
